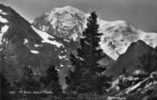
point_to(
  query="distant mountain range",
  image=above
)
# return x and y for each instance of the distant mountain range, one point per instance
(69, 22)
(51, 37)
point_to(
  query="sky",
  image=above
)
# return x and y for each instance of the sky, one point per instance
(141, 13)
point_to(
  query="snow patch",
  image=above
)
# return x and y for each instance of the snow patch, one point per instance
(31, 21)
(74, 36)
(47, 38)
(138, 72)
(25, 41)
(61, 65)
(54, 42)
(66, 40)
(3, 20)
(149, 38)
(42, 34)
(34, 51)
(2, 12)
(2, 32)
(62, 57)
(37, 45)
(4, 28)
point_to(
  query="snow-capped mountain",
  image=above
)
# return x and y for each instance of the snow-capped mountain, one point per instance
(68, 22)
(21, 44)
(118, 36)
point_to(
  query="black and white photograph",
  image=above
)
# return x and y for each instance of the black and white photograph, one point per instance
(78, 49)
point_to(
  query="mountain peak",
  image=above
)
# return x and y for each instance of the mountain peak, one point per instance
(67, 8)
(138, 46)
(18, 27)
(67, 22)
(139, 43)
(130, 60)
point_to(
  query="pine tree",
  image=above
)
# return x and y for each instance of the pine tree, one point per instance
(85, 78)
(4, 88)
(149, 61)
(51, 81)
(28, 82)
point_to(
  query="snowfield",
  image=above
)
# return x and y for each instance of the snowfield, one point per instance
(47, 38)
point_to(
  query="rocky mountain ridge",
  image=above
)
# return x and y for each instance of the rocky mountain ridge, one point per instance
(21, 44)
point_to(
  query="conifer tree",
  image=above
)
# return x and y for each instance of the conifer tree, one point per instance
(51, 80)
(28, 82)
(4, 88)
(149, 61)
(86, 75)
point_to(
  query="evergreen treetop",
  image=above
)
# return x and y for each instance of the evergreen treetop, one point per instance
(85, 76)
